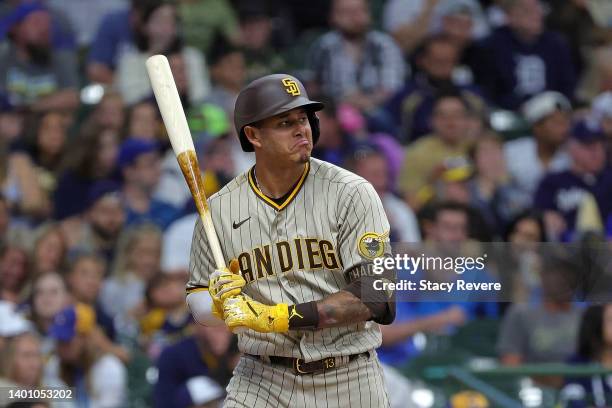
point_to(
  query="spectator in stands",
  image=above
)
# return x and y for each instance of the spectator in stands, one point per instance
(426, 157)
(98, 228)
(136, 262)
(227, 73)
(255, 35)
(180, 374)
(561, 195)
(599, 78)
(109, 113)
(411, 108)
(49, 296)
(410, 21)
(159, 35)
(447, 228)
(22, 362)
(529, 158)
(523, 59)
(354, 63)
(116, 35)
(371, 163)
(14, 273)
(594, 347)
(84, 16)
(98, 377)
(49, 250)
(94, 158)
(202, 21)
(33, 74)
(489, 188)
(520, 269)
(166, 318)
(143, 121)
(139, 162)
(84, 278)
(45, 142)
(547, 331)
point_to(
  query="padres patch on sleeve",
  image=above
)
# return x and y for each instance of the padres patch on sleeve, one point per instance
(372, 245)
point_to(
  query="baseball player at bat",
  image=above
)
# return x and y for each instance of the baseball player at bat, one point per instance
(302, 235)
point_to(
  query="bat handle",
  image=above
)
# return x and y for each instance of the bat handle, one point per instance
(213, 241)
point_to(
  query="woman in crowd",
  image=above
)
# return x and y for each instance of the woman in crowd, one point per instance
(158, 34)
(44, 144)
(136, 262)
(92, 159)
(49, 296)
(49, 250)
(21, 364)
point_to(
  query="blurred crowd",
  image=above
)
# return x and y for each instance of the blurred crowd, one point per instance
(481, 120)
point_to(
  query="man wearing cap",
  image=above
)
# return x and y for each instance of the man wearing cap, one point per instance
(140, 166)
(530, 158)
(32, 73)
(99, 228)
(579, 198)
(302, 235)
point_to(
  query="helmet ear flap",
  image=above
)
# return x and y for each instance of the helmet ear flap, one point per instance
(314, 126)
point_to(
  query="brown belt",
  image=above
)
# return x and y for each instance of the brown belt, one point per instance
(300, 367)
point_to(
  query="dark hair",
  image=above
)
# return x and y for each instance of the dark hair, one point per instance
(145, 9)
(220, 48)
(526, 215)
(424, 46)
(437, 209)
(450, 92)
(590, 334)
(82, 159)
(32, 129)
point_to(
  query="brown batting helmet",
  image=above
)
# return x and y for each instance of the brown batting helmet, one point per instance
(269, 96)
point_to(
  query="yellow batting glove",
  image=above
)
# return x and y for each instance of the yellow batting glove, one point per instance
(225, 283)
(242, 311)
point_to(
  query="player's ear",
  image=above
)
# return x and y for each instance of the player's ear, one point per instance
(253, 134)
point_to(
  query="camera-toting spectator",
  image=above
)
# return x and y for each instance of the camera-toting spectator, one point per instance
(437, 63)
(565, 196)
(353, 62)
(33, 74)
(530, 158)
(523, 58)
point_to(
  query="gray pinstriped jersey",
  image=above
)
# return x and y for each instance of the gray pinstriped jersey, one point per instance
(297, 252)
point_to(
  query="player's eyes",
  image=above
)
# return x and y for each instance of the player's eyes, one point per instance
(303, 120)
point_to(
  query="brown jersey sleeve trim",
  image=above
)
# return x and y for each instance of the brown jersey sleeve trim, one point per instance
(290, 197)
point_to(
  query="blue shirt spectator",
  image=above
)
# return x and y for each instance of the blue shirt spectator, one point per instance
(522, 59)
(563, 194)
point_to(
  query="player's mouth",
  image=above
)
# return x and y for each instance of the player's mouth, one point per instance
(303, 142)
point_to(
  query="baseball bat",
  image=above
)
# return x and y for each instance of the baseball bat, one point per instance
(171, 109)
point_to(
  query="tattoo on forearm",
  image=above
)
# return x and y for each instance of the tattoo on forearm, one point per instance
(341, 308)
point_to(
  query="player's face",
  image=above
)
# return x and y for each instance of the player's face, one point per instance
(287, 136)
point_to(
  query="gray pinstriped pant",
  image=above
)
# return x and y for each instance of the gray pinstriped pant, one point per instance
(256, 384)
